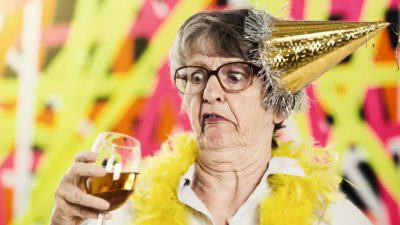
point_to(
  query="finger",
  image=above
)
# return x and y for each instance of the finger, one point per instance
(79, 211)
(84, 170)
(74, 195)
(86, 157)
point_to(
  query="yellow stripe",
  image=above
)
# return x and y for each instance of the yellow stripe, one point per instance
(355, 79)
(139, 84)
(74, 76)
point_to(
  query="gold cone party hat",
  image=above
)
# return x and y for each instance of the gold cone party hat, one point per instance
(292, 54)
(304, 50)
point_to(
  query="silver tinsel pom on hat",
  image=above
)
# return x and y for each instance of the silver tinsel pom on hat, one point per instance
(258, 28)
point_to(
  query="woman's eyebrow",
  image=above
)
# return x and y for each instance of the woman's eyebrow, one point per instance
(197, 63)
(204, 64)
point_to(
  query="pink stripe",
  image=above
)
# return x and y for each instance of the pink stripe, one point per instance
(394, 4)
(297, 9)
(151, 115)
(375, 116)
(149, 20)
(350, 10)
(2, 204)
(392, 207)
(320, 129)
(145, 25)
(55, 36)
(8, 163)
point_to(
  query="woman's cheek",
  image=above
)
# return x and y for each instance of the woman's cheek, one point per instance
(193, 111)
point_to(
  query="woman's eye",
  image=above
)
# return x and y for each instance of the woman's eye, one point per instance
(197, 78)
(235, 77)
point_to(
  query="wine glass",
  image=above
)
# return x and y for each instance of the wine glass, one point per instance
(120, 155)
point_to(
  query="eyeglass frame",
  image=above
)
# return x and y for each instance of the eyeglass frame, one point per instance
(254, 71)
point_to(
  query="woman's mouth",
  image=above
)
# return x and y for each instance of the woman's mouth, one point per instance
(212, 118)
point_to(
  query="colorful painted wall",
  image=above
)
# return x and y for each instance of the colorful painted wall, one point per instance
(70, 69)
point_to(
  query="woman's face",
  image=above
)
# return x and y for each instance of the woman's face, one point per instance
(223, 120)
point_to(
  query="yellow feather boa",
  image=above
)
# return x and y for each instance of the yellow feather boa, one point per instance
(293, 200)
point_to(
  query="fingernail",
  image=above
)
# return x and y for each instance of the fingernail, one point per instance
(101, 171)
(105, 204)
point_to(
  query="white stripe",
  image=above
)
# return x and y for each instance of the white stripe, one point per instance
(25, 116)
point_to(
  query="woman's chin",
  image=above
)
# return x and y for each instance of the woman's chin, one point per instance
(216, 138)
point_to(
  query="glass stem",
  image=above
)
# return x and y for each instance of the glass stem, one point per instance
(100, 219)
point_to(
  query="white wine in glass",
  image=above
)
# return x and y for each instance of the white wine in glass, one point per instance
(120, 155)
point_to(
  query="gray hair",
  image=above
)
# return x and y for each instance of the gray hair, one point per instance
(215, 33)
(222, 33)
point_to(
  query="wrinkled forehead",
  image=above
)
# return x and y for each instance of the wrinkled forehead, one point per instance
(211, 46)
(211, 62)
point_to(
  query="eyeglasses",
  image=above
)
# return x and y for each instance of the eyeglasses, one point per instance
(232, 76)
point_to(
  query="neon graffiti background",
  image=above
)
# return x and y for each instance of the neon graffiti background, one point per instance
(103, 65)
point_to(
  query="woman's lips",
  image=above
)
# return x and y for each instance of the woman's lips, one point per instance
(212, 118)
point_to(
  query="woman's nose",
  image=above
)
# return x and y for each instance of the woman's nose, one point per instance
(213, 91)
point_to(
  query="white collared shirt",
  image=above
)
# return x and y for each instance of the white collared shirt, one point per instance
(343, 212)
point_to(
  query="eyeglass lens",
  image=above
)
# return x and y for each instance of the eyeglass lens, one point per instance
(232, 76)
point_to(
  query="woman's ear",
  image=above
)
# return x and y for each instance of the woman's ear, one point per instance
(278, 118)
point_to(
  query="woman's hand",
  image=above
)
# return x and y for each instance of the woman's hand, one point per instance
(72, 203)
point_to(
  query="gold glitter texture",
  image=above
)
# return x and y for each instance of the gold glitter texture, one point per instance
(301, 51)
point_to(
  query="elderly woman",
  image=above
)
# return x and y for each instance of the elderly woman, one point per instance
(231, 170)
